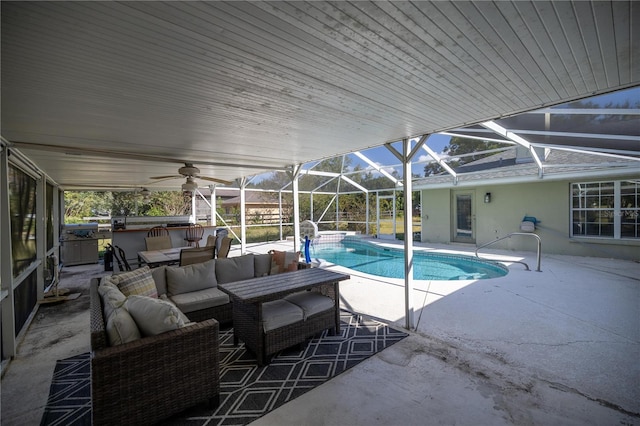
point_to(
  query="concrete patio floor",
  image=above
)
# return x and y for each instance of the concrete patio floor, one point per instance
(561, 346)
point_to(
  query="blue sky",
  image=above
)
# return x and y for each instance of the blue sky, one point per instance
(381, 155)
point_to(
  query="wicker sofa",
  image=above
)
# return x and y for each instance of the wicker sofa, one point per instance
(198, 301)
(152, 378)
(199, 298)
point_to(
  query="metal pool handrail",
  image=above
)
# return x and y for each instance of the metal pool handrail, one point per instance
(509, 236)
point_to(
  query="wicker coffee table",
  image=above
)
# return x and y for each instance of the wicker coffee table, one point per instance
(249, 295)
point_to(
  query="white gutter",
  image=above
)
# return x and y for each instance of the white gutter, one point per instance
(571, 176)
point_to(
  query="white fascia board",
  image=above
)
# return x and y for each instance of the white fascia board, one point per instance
(587, 111)
(567, 176)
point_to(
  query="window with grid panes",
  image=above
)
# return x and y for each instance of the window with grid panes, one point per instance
(605, 209)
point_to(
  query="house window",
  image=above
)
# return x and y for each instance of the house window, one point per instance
(629, 209)
(606, 209)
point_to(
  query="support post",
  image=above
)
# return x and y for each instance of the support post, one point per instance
(408, 236)
(296, 207)
(406, 156)
(243, 215)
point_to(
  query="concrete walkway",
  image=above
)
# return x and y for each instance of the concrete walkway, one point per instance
(561, 346)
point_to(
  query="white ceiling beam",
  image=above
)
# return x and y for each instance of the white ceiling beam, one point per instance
(492, 125)
(441, 162)
(376, 167)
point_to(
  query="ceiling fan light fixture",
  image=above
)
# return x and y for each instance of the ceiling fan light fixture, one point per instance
(189, 185)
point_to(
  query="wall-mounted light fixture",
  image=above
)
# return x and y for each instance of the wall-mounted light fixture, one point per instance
(487, 197)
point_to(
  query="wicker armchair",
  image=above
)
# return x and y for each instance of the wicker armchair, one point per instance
(153, 378)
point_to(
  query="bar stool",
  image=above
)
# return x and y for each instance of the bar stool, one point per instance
(194, 234)
(158, 231)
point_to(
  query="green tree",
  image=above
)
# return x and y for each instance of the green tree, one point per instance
(81, 204)
(167, 203)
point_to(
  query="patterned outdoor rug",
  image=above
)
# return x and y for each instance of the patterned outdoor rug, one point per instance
(247, 391)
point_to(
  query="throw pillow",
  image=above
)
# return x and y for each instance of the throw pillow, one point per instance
(154, 316)
(284, 261)
(232, 269)
(138, 282)
(194, 277)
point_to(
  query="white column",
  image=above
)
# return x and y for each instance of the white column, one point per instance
(212, 204)
(296, 208)
(408, 236)
(243, 215)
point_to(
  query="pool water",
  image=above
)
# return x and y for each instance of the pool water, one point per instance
(371, 259)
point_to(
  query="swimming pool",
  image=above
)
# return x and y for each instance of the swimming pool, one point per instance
(387, 262)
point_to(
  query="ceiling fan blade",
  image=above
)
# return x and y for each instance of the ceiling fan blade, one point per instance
(211, 179)
(167, 177)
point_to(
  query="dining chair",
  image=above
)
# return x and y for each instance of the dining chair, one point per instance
(158, 243)
(194, 234)
(225, 246)
(196, 255)
(211, 240)
(158, 231)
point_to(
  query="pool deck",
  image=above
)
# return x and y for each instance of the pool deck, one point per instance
(561, 346)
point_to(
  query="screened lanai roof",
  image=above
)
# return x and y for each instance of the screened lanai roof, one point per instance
(108, 95)
(598, 136)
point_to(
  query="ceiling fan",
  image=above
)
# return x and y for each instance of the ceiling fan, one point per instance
(191, 172)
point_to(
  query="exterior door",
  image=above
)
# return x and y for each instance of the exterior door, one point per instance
(463, 217)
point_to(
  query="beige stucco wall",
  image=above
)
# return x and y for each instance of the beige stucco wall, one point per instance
(547, 201)
(436, 216)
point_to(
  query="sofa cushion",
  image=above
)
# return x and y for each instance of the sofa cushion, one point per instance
(232, 269)
(311, 302)
(137, 282)
(160, 277)
(284, 261)
(121, 328)
(194, 277)
(201, 299)
(119, 325)
(279, 313)
(261, 264)
(154, 316)
(111, 296)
